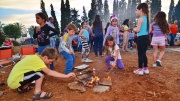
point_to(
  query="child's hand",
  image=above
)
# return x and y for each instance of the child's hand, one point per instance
(71, 75)
(37, 29)
(114, 64)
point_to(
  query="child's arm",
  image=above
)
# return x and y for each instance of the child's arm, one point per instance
(140, 21)
(116, 57)
(56, 74)
(36, 29)
(54, 30)
(103, 29)
(91, 30)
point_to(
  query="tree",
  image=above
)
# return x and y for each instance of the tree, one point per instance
(12, 31)
(63, 24)
(22, 28)
(67, 13)
(100, 8)
(84, 17)
(171, 12)
(177, 14)
(115, 7)
(43, 8)
(122, 12)
(155, 7)
(106, 12)
(75, 18)
(31, 30)
(56, 25)
(93, 11)
(1, 27)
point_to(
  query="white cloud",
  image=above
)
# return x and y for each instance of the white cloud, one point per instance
(29, 19)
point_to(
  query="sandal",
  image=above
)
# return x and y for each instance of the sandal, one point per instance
(20, 90)
(38, 96)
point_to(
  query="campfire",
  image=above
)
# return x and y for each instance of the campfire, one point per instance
(88, 79)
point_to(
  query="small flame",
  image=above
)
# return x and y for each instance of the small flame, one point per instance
(108, 77)
(94, 80)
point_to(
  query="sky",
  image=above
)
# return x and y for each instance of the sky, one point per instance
(23, 11)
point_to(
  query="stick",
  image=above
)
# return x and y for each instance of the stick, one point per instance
(110, 70)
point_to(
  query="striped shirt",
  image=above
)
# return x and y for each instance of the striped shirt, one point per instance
(157, 32)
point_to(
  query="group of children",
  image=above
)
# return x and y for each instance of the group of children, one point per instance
(33, 67)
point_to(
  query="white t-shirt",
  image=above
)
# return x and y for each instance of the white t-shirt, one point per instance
(116, 47)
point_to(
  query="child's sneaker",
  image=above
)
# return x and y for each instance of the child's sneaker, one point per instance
(139, 72)
(83, 60)
(154, 65)
(158, 62)
(145, 70)
(88, 60)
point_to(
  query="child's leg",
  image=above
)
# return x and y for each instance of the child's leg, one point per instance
(74, 59)
(162, 48)
(82, 53)
(108, 59)
(120, 64)
(69, 61)
(87, 52)
(100, 44)
(155, 52)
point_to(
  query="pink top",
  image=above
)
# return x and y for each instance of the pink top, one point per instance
(8, 44)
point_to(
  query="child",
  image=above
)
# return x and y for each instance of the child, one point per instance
(160, 29)
(42, 33)
(142, 41)
(131, 39)
(8, 42)
(125, 29)
(65, 47)
(84, 35)
(33, 67)
(113, 49)
(113, 30)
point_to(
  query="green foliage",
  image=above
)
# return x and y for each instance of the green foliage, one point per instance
(115, 7)
(2, 39)
(12, 31)
(155, 7)
(63, 24)
(43, 8)
(67, 13)
(75, 18)
(84, 17)
(93, 11)
(15, 43)
(177, 14)
(106, 12)
(100, 9)
(171, 12)
(122, 11)
(56, 25)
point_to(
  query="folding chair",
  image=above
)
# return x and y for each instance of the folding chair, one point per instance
(6, 56)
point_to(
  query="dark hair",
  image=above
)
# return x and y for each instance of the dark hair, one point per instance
(51, 53)
(97, 21)
(107, 25)
(145, 10)
(42, 15)
(82, 23)
(109, 38)
(160, 19)
(126, 22)
(50, 18)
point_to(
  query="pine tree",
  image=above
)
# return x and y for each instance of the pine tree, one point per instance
(133, 15)
(115, 7)
(75, 18)
(67, 11)
(56, 25)
(93, 11)
(106, 12)
(122, 12)
(100, 8)
(171, 12)
(155, 7)
(43, 8)
(63, 24)
(129, 9)
(138, 2)
(177, 14)
(84, 17)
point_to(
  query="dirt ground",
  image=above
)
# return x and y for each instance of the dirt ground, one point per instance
(162, 84)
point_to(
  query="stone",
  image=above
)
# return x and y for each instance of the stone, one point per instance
(83, 76)
(77, 86)
(105, 81)
(101, 88)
